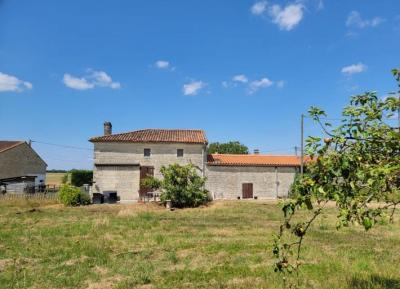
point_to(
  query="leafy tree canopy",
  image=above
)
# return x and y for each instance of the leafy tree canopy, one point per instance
(181, 185)
(355, 165)
(81, 177)
(232, 147)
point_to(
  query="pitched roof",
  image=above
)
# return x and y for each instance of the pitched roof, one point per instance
(6, 144)
(156, 135)
(253, 160)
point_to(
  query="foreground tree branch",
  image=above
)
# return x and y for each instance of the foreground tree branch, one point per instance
(357, 167)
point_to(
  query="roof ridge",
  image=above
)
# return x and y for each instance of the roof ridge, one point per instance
(156, 135)
(16, 143)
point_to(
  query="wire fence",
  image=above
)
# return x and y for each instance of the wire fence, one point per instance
(28, 196)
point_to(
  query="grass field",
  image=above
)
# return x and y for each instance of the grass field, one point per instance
(226, 245)
(54, 178)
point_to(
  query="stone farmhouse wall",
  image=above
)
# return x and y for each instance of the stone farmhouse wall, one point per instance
(117, 168)
(225, 182)
(22, 160)
(123, 179)
(117, 165)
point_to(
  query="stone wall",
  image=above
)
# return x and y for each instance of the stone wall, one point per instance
(125, 179)
(21, 160)
(225, 182)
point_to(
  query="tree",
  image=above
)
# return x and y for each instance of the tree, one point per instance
(232, 147)
(357, 163)
(181, 185)
(81, 177)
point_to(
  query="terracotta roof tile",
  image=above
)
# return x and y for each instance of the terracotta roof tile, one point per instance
(156, 135)
(6, 144)
(253, 160)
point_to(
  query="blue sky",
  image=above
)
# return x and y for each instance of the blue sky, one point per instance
(240, 70)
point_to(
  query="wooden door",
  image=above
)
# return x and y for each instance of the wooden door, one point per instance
(247, 191)
(144, 173)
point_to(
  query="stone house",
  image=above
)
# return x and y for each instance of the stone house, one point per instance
(122, 160)
(20, 166)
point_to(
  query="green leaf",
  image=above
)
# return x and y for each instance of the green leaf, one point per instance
(367, 222)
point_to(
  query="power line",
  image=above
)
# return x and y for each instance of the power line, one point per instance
(63, 146)
(68, 160)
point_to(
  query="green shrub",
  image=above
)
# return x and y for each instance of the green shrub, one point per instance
(72, 196)
(81, 177)
(181, 185)
(65, 178)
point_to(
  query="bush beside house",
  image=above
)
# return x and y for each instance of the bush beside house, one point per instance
(181, 185)
(72, 196)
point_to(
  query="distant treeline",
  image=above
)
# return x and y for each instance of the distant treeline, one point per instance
(56, 171)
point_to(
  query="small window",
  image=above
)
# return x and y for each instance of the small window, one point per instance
(147, 152)
(179, 153)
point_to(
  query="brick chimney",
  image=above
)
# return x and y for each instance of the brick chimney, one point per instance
(256, 151)
(107, 128)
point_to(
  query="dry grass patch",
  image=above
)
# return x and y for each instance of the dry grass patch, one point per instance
(223, 245)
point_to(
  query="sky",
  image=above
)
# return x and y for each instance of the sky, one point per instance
(240, 70)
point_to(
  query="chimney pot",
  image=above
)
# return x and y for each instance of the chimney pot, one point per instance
(107, 128)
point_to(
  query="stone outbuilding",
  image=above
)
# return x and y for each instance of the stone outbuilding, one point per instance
(20, 166)
(250, 176)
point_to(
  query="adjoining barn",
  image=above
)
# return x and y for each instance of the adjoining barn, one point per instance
(250, 176)
(21, 167)
(122, 160)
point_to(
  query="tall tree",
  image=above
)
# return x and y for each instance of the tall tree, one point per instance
(232, 147)
(354, 165)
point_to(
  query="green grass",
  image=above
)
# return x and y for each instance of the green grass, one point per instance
(226, 245)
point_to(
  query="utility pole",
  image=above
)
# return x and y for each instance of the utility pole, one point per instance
(302, 146)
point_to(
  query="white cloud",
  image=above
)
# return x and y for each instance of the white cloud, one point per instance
(258, 84)
(92, 79)
(288, 17)
(259, 8)
(240, 78)
(354, 68)
(355, 20)
(193, 87)
(76, 82)
(12, 83)
(101, 78)
(162, 64)
(225, 84)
